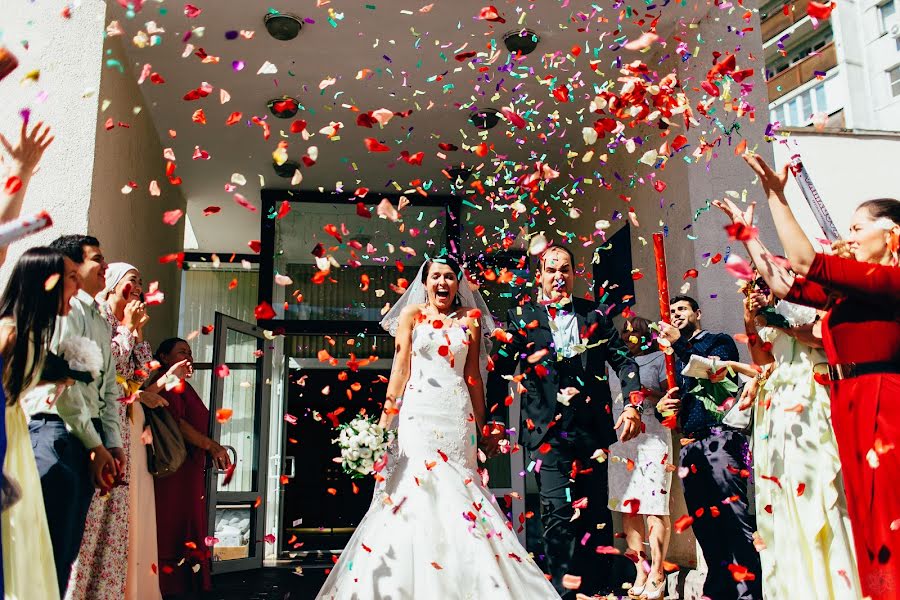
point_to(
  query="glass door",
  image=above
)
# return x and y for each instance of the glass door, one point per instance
(239, 422)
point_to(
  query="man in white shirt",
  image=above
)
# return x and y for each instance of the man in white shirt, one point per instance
(76, 438)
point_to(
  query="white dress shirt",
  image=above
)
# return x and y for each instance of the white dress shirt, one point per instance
(81, 402)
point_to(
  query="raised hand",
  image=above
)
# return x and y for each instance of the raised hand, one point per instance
(134, 314)
(26, 155)
(668, 332)
(183, 369)
(734, 212)
(773, 183)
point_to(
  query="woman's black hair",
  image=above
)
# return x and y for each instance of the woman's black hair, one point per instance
(450, 262)
(33, 308)
(166, 346)
(640, 328)
(883, 207)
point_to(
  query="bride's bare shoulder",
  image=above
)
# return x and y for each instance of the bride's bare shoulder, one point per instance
(412, 311)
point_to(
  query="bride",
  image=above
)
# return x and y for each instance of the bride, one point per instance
(433, 529)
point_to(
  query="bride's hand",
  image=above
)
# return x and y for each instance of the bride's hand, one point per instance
(493, 439)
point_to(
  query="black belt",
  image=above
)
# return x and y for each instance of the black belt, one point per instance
(849, 370)
(46, 417)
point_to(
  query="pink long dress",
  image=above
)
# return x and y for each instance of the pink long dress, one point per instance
(118, 555)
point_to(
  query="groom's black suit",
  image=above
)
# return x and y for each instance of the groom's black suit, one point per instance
(559, 435)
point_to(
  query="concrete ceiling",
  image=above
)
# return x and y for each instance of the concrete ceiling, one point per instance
(354, 57)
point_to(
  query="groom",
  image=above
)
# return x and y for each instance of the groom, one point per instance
(562, 345)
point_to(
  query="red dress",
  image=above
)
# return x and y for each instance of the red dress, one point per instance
(181, 507)
(863, 325)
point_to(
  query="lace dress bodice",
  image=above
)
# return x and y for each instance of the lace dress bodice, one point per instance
(436, 417)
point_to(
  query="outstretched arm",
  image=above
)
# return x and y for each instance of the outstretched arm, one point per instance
(797, 247)
(775, 272)
(400, 370)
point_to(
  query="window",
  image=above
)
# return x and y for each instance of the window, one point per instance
(799, 110)
(885, 13)
(894, 78)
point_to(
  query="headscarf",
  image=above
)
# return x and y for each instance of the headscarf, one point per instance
(114, 274)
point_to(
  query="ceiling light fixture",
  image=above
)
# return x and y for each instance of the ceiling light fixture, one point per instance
(459, 174)
(286, 169)
(485, 118)
(284, 107)
(283, 26)
(522, 41)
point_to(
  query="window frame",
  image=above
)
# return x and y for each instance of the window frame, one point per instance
(893, 77)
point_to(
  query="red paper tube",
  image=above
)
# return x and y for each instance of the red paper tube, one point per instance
(23, 226)
(659, 251)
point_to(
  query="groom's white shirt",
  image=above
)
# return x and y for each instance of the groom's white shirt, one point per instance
(564, 327)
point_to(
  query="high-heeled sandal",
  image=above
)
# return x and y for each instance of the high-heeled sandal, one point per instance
(655, 592)
(636, 591)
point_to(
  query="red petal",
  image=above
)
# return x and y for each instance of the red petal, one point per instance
(819, 11)
(373, 145)
(264, 311)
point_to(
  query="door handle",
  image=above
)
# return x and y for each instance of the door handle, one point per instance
(233, 452)
(293, 470)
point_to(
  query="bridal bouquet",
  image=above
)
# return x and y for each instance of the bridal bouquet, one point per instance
(363, 445)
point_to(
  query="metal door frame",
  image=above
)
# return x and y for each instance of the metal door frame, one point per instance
(256, 498)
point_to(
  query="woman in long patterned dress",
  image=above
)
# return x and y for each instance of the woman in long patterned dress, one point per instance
(27, 316)
(640, 470)
(118, 557)
(801, 509)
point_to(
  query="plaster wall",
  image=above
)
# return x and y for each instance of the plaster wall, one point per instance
(846, 168)
(67, 54)
(130, 226)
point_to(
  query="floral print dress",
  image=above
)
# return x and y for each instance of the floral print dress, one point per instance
(118, 557)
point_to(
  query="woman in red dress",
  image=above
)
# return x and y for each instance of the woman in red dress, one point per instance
(860, 289)
(181, 517)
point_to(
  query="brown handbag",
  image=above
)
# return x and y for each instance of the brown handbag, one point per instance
(167, 452)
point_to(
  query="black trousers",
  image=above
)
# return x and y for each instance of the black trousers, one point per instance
(63, 465)
(571, 546)
(716, 482)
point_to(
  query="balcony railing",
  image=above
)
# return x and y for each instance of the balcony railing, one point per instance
(801, 72)
(777, 22)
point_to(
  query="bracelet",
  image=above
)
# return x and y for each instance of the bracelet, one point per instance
(637, 406)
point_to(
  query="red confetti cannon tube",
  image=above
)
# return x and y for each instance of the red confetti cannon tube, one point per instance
(23, 226)
(659, 251)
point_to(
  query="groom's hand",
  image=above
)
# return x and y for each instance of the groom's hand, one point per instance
(630, 423)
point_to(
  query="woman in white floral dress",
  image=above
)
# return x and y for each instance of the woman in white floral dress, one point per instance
(118, 557)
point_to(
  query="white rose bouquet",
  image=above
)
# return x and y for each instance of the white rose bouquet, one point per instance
(363, 446)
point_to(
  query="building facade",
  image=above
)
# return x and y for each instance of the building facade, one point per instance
(839, 72)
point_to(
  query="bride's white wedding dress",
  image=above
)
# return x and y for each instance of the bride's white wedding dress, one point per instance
(433, 530)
